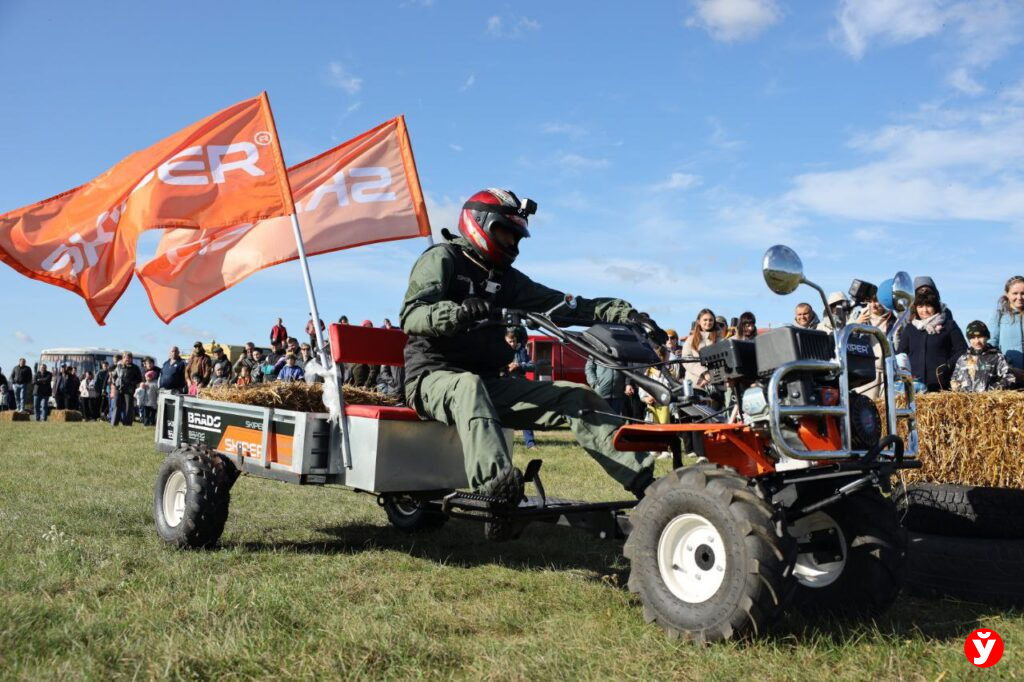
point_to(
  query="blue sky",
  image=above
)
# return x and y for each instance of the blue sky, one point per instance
(668, 145)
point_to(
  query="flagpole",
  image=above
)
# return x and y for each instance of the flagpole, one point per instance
(310, 296)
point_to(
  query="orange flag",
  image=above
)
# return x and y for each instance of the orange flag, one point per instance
(363, 191)
(224, 170)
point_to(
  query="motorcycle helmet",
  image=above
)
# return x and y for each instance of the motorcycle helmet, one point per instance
(491, 210)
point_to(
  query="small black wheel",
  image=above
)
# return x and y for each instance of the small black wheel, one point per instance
(985, 570)
(191, 497)
(709, 557)
(411, 515)
(962, 510)
(851, 556)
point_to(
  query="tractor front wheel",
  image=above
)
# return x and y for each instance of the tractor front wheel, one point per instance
(709, 556)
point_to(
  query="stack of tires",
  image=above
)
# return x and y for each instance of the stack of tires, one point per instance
(965, 542)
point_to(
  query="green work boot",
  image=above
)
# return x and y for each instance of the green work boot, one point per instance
(508, 488)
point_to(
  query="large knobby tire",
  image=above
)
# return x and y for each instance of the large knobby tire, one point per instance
(851, 557)
(410, 515)
(191, 497)
(974, 569)
(709, 558)
(962, 510)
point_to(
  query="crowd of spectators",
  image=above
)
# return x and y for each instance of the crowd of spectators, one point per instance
(941, 356)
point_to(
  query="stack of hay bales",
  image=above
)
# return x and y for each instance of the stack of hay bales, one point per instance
(65, 416)
(13, 416)
(974, 439)
(298, 396)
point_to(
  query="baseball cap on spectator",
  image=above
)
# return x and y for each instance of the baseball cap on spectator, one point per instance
(836, 297)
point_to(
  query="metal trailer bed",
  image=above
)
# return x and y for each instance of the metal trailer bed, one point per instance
(390, 449)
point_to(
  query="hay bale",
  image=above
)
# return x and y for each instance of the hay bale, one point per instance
(13, 416)
(971, 439)
(65, 416)
(298, 396)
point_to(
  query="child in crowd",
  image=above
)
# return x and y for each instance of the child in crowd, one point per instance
(194, 382)
(152, 397)
(219, 379)
(291, 370)
(244, 376)
(982, 368)
(140, 402)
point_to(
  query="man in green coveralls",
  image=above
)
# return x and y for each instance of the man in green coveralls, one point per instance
(452, 365)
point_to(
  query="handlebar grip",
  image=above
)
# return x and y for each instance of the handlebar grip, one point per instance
(659, 391)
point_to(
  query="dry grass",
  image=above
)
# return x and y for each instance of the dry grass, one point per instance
(971, 438)
(298, 396)
(12, 416)
(65, 416)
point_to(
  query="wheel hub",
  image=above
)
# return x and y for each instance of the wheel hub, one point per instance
(822, 550)
(174, 498)
(691, 558)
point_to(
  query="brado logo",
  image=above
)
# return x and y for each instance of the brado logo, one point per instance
(983, 648)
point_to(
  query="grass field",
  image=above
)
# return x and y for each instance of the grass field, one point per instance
(312, 583)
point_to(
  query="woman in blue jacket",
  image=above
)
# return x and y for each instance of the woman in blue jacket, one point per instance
(933, 342)
(1007, 325)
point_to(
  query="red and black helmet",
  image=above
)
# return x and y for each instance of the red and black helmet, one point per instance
(489, 209)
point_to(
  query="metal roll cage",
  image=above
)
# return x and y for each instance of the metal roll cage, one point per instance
(892, 373)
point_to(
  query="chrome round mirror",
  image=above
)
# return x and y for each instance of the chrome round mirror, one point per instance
(783, 270)
(902, 291)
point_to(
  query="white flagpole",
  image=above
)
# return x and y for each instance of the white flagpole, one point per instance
(304, 263)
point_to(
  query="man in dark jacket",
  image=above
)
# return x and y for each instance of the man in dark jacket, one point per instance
(221, 360)
(126, 378)
(172, 373)
(59, 392)
(453, 365)
(102, 384)
(21, 377)
(42, 388)
(72, 388)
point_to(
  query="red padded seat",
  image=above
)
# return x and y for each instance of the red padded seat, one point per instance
(397, 414)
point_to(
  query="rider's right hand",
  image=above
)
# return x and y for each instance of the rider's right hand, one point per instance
(473, 309)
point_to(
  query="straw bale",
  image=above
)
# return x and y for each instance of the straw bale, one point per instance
(971, 438)
(298, 396)
(65, 416)
(12, 416)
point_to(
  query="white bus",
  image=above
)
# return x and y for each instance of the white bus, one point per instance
(83, 359)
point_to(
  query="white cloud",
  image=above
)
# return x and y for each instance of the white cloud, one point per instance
(191, 331)
(961, 80)
(861, 21)
(568, 129)
(455, 147)
(23, 337)
(511, 26)
(576, 162)
(339, 77)
(977, 32)
(720, 136)
(734, 20)
(678, 181)
(961, 165)
(470, 81)
(871, 235)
